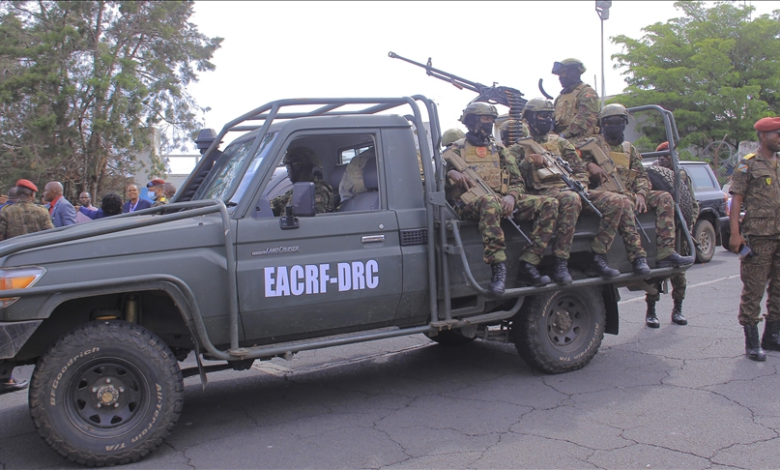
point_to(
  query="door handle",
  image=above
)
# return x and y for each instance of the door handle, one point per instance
(374, 239)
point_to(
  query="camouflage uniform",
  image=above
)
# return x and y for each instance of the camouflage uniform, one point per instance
(759, 184)
(323, 197)
(352, 181)
(576, 113)
(487, 209)
(569, 203)
(21, 218)
(160, 201)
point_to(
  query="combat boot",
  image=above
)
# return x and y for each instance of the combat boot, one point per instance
(752, 347)
(498, 281)
(640, 266)
(599, 263)
(651, 319)
(677, 316)
(674, 260)
(771, 338)
(561, 272)
(530, 275)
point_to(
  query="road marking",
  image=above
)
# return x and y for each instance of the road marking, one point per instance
(281, 371)
(690, 286)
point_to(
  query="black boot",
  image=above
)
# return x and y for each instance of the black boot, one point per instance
(674, 260)
(599, 264)
(752, 347)
(771, 338)
(561, 272)
(677, 316)
(498, 281)
(530, 275)
(651, 319)
(640, 266)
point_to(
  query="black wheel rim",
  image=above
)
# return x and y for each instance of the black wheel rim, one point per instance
(569, 323)
(106, 395)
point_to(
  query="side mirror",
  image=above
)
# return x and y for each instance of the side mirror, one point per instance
(302, 204)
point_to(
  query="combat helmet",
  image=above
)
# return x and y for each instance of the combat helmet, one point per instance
(450, 136)
(615, 109)
(301, 154)
(538, 104)
(567, 64)
(478, 108)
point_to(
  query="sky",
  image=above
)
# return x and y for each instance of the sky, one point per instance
(278, 50)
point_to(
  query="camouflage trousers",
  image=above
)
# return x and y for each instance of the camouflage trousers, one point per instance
(543, 211)
(487, 210)
(678, 282)
(569, 208)
(617, 216)
(663, 203)
(762, 267)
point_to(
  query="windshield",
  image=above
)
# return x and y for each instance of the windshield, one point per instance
(226, 174)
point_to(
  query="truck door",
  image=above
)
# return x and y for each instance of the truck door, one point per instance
(337, 272)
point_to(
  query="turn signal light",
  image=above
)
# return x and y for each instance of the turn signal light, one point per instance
(18, 278)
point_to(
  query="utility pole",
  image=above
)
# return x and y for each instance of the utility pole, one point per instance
(602, 8)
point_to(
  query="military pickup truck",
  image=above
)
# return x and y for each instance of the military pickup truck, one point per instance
(107, 310)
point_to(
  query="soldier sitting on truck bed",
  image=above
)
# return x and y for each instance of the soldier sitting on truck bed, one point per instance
(300, 162)
(498, 193)
(536, 171)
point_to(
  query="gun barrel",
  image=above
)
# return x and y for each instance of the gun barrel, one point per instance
(442, 75)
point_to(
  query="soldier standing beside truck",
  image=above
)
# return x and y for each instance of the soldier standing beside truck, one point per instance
(507, 194)
(577, 107)
(756, 184)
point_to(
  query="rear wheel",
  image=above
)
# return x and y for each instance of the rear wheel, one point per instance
(704, 232)
(106, 393)
(560, 331)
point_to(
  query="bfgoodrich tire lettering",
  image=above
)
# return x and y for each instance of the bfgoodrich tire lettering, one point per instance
(560, 331)
(106, 393)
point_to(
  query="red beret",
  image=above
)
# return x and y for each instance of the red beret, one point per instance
(767, 124)
(157, 182)
(27, 184)
(663, 146)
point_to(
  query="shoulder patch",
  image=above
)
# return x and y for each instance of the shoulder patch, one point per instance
(742, 168)
(749, 156)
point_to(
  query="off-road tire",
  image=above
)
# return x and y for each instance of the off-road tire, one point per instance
(451, 338)
(704, 233)
(560, 331)
(123, 367)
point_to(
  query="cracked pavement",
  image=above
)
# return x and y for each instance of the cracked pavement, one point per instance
(676, 397)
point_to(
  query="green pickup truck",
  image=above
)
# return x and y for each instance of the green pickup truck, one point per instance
(107, 310)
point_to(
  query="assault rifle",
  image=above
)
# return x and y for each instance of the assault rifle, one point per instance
(613, 182)
(481, 187)
(493, 94)
(558, 166)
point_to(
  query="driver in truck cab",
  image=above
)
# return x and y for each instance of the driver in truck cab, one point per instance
(300, 163)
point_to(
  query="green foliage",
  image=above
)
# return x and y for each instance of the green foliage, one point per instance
(84, 81)
(715, 68)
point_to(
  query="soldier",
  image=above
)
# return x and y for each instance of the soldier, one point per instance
(157, 188)
(577, 107)
(661, 175)
(300, 162)
(536, 171)
(756, 184)
(352, 180)
(499, 171)
(451, 135)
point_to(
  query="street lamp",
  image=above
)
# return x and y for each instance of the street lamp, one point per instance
(602, 8)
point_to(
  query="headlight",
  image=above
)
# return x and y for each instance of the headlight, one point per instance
(18, 278)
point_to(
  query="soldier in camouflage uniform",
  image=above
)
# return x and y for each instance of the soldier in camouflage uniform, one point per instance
(536, 172)
(756, 184)
(301, 162)
(24, 216)
(577, 107)
(664, 167)
(499, 171)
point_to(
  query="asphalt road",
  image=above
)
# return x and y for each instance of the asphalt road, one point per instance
(675, 397)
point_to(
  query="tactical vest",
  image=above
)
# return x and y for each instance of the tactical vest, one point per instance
(486, 162)
(622, 162)
(566, 108)
(549, 177)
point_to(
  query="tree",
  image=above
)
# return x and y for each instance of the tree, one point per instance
(82, 83)
(714, 68)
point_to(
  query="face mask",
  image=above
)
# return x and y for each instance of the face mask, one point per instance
(541, 126)
(613, 131)
(567, 81)
(486, 128)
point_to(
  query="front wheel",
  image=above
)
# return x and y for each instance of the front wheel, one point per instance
(560, 331)
(704, 232)
(106, 393)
